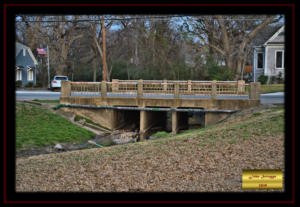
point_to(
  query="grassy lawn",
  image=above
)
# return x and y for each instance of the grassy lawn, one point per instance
(271, 88)
(46, 101)
(36, 127)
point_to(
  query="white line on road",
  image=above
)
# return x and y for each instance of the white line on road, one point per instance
(273, 94)
(36, 92)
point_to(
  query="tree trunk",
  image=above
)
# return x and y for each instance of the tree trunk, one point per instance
(229, 62)
(128, 76)
(63, 57)
(31, 44)
(104, 73)
(94, 69)
(136, 53)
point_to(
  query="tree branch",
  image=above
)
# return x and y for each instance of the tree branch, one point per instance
(98, 47)
(75, 38)
(224, 34)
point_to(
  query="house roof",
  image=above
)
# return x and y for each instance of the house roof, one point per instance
(278, 37)
(20, 47)
(266, 34)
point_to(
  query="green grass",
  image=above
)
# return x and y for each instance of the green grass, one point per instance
(45, 101)
(160, 133)
(256, 114)
(272, 88)
(37, 127)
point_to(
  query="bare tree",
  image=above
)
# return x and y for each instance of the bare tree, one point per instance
(229, 36)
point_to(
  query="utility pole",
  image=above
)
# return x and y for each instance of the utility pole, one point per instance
(48, 67)
(104, 72)
(73, 71)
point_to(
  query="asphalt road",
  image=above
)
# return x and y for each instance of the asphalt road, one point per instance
(49, 95)
(42, 95)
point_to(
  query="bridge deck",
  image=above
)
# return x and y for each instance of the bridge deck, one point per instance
(206, 103)
(232, 95)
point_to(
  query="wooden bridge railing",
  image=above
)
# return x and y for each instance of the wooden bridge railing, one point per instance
(167, 87)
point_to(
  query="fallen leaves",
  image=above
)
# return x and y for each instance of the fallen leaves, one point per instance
(174, 165)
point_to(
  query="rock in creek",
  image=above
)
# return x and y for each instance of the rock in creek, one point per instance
(125, 137)
(58, 147)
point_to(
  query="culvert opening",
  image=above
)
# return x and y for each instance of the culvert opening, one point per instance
(190, 118)
(152, 120)
(128, 120)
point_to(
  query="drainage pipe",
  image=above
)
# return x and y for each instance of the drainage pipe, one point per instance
(142, 108)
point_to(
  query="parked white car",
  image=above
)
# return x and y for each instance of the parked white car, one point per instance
(56, 82)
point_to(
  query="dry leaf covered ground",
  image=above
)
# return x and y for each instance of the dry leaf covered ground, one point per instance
(210, 159)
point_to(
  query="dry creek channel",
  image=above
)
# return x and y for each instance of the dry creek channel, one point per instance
(107, 138)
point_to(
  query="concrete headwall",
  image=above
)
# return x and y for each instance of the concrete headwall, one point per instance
(213, 118)
(103, 117)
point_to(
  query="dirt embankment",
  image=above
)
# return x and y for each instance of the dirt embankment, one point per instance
(208, 160)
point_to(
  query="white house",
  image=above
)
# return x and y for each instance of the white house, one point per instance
(268, 56)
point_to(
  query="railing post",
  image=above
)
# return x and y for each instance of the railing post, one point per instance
(65, 88)
(115, 85)
(214, 89)
(103, 89)
(176, 90)
(189, 86)
(254, 91)
(240, 86)
(165, 85)
(140, 89)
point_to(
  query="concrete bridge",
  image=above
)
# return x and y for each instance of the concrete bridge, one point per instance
(113, 104)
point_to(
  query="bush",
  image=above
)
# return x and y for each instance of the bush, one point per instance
(280, 78)
(263, 79)
(18, 84)
(29, 85)
(273, 79)
(220, 73)
(38, 85)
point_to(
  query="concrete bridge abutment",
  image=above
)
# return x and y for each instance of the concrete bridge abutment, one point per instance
(212, 118)
(109, 118)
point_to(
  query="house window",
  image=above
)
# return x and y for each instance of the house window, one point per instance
(19, 74)
(260, 60)
(30, 74)
(279, 59)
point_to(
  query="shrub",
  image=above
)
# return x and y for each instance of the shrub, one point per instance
(38, 85)
(280, 78)
(273, 80)
(18, 84)
(29, 85)
(263, 79)
(220, 73)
